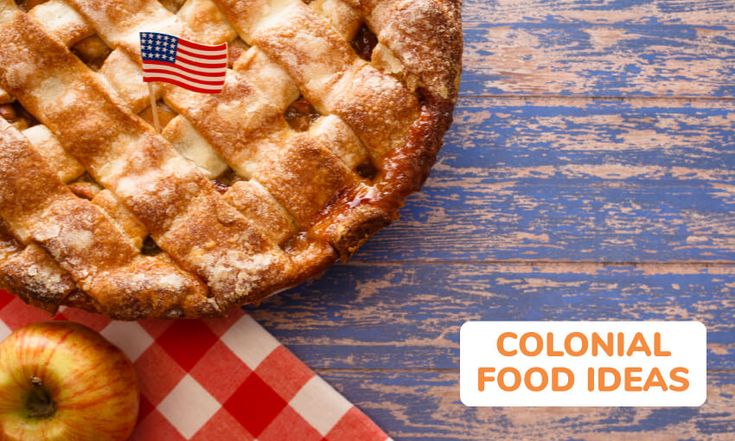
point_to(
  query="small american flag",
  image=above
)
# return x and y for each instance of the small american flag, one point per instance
(193, 66)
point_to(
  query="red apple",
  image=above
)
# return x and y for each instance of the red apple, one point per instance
(63, 381)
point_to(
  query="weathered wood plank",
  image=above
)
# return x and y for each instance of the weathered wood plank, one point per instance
(699, 12)
(424, 405)
(579, 221)
(575, 179)
(640, 140)
(598, 60)
(407, 316)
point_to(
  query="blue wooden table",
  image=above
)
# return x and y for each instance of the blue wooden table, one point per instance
(590, 175)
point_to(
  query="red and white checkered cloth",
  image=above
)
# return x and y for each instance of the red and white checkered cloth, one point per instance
(219, 380)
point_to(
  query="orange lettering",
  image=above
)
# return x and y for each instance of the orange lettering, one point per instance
(556, 385)
(602, 372)
(655, 379)
(544, 379)
(607, 346)
(683, 381)
(501, 347)
(516, 379)
(657, 346)
(524, 344)
(638, 345)
(568, 344)
(590, 379)
(550, 346)
(483, 376)
(630, 379)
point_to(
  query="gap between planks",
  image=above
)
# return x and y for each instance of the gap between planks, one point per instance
(729, 265)
(632, 98)
(704, 13)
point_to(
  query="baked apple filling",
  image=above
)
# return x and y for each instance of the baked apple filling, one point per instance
(364, 42)
(27, 5)
(149, 248)
(301, 114)
(226, 180)
(92, 51)
(165, 114)
(17, 116)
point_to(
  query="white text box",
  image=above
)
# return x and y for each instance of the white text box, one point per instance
(583, 364)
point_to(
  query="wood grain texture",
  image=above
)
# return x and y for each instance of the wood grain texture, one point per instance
(575, 179)
(693, 12)
(590, 175)
(620, 60)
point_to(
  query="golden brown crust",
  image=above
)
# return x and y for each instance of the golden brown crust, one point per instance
(300, 198)
(34, 276)
(84, 242)
(365, 210)
(426, 36)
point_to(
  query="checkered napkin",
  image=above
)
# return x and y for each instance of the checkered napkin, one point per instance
(220, 380)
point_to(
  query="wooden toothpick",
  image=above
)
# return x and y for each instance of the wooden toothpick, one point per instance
(154, 108)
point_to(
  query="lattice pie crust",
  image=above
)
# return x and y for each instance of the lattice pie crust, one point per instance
(332, 113)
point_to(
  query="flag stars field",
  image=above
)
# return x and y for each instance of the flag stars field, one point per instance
(193, 66)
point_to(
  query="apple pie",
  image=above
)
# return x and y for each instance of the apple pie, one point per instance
(332, 113)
